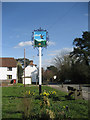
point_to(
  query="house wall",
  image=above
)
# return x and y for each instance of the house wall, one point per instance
(4, 73)
(27, 81)
(31, 71)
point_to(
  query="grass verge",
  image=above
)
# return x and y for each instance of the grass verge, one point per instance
(26, 103)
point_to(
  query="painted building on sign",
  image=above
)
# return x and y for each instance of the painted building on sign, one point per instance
(31, 73)
(8, 69)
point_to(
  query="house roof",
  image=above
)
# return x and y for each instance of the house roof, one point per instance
(8, 62)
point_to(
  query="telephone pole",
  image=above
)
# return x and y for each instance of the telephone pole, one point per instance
(24, 67)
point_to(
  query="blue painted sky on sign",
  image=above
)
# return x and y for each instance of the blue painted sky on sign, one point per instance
(40, 35)
(64, 21)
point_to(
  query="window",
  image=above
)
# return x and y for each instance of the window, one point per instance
(9, 68)
(9, 76)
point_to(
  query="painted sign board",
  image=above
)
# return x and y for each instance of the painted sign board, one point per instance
(40, 38)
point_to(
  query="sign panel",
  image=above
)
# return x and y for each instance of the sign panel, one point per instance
(40, 39)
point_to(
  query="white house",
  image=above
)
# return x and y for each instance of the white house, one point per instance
(8, 69)
(31, 72)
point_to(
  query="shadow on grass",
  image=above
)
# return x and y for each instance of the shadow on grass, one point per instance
(43, 119)
(14, 112)
(38, 97)
(11, 119)
(10, 96)
(13, 97)
(55, 98)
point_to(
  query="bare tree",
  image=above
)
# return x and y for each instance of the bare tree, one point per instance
(63, 64)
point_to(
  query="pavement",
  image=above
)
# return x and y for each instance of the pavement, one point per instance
(85, 90)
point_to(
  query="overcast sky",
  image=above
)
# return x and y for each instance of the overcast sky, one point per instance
(64, 21)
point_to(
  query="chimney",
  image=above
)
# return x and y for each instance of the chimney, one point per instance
(31, 62)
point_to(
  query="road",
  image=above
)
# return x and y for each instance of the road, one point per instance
(85, 90)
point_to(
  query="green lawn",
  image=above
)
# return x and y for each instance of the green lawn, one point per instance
(18, 102)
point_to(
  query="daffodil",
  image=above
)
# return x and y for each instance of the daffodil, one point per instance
(29, 92)
(63, 106)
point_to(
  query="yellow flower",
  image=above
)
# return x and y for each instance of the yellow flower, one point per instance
(63, 106)
(47, 94)
(53, 92)
(29, 91)
(44, 93)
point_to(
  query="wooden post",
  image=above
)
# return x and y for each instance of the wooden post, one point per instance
(24, 67)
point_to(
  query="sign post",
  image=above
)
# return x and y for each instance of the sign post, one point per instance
(40, 70)
(40, 38)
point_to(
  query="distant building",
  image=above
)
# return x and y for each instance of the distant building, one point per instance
(8, 69)
(31, 72)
